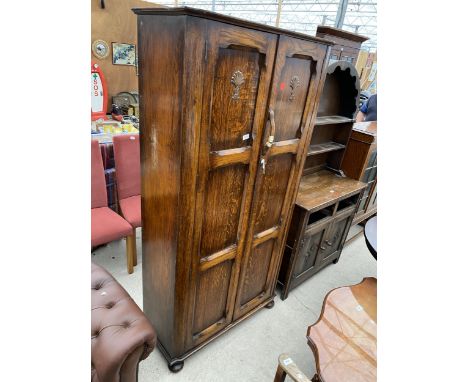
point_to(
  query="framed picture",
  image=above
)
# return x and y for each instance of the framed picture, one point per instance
(123, 54)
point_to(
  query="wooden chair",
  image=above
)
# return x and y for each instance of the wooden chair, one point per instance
(127, 172)
(106, 225)
(286, 366)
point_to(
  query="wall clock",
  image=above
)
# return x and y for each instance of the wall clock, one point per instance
(100, 49)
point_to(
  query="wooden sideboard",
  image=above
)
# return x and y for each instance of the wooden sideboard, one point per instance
(327, 200)
(226, 114)
(360, 163)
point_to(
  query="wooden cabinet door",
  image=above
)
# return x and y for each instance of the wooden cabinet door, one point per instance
(237, 72)
(293, 97)
(334, 237)
(309, 249)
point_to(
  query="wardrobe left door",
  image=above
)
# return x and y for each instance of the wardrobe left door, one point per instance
(238, 68)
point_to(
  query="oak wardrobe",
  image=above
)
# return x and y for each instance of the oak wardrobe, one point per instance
(226, 112)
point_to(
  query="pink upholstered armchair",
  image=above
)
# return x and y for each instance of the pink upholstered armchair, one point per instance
(127, 172)
(106, 225)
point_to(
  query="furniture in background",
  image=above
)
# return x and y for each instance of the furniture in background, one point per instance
(347, 44)
(370, 233)
(327, 200)
(324, 209)
(107, 151)
(360, 163)
(344, 338)
(227, 112)
(106, 225)
(127, 167)
(121, 335)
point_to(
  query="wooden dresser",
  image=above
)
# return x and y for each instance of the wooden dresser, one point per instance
(327, 200)
(226, 114)
(347, 44)
(360, 162)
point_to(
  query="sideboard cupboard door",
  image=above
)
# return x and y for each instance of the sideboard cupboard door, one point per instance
(334, 238)
(239, 64)
(311, 244)
(293, 97)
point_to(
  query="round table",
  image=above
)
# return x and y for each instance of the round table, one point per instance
(344, 339)
(370, 233)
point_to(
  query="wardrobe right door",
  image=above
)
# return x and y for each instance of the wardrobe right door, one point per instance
(294, 93)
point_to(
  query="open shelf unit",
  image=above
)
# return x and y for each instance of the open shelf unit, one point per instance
(325, 147)
(327, 200)
(337, 108)
(332, 119)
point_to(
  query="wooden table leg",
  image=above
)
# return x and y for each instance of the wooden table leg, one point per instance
(135, 261)
(131, 252)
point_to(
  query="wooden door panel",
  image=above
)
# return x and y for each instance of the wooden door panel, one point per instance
(212, 292)
(293, 97)
(238, 66)
(308, 255)
(223, 200)
(335, 237)
(272, 192)
(257, 271)
(234, 97)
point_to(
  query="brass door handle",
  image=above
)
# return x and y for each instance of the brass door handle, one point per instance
(328, 243)
(322, 248)
(271, 137)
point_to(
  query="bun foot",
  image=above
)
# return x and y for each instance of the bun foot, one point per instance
(270, 305)
(335, 261)
(176, 366)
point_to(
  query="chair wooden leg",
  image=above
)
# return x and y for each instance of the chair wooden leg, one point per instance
(135, 261)
(130, 252)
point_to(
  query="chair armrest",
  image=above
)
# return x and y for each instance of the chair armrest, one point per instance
(286, 366)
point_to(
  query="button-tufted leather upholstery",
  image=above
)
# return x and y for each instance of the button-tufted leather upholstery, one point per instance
(121, 335)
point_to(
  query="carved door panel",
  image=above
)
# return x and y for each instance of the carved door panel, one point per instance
(238, 68)
(334, 237)
(311, 244)
(292, 98)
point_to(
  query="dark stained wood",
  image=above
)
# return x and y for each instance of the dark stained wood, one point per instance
(226, 117)
(297, 80)
(196, 12)
(222, 211)
(320, 148)
(332, 119)
(159, 235)
(333, 126)
(324, 187)
(347, 44)
(324, 209)
(327, 200)
(360, 162)
(334, 33)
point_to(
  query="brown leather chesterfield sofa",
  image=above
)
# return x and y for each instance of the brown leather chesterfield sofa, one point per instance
(121, 335)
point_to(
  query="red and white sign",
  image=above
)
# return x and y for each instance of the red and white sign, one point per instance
(98, 93)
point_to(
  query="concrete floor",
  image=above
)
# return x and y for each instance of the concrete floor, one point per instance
(249, 351)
